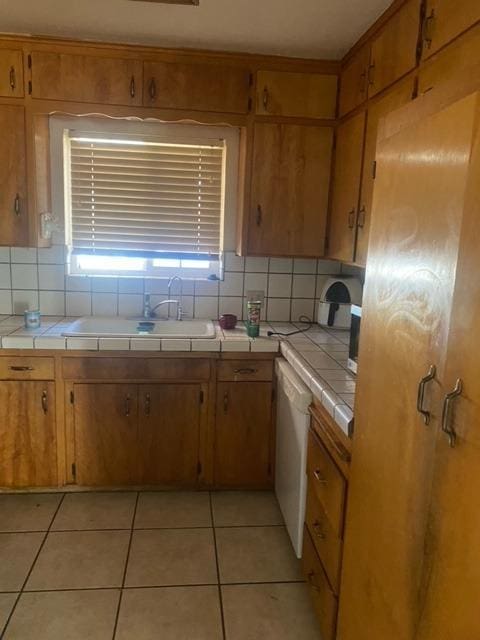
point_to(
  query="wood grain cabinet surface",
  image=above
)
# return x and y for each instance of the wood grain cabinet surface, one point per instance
(196, 87)
(13, 177)
(446, 19)
(28, 449)
(86, 78)
(301, 95)
(290, 189)
(354, 81)
(11, 73)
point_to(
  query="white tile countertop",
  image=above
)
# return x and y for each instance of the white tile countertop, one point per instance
(318, 355)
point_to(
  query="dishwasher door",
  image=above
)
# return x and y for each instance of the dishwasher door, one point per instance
(293, 420)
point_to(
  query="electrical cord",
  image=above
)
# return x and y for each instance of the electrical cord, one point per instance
(302, 319)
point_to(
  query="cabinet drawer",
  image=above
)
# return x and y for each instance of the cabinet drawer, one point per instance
(324, 600)
(327, 544)
(245, 370)
(327, 482)
(25, 368)
(135, 369)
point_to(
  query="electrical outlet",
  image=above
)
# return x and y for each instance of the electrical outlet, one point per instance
(257, 296)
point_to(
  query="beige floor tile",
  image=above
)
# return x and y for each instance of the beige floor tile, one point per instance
(64, 615)
(256, 554)
(171, 557)
(245, 508)
(80, 560)
(170, 613)
(27, 512)
(17, 553)
(7, 600)
(173, 509)
(109, 510)
(269, 612)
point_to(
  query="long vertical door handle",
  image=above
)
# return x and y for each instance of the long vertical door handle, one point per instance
(426, 28)
(132, 87)
(259, 215)
(447, 426)
(152, 89)
(421, 393)
(45, 402)
(361, 217)
(16, 204)
(225, 402)
(265, 98)
(13, 79)
(147, 404)
(371, 74)
(351, 218)
(127, 405)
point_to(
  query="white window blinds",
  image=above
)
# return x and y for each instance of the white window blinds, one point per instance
(138, 197)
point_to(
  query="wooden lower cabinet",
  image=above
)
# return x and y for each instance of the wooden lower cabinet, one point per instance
(243, 437)
(28, 454)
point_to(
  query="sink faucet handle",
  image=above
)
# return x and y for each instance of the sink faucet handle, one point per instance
(179, 312)
(147, 308)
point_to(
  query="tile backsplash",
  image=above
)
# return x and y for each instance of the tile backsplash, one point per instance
(35, 278)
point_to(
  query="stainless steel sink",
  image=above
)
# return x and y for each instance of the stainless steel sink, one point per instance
(118, 327)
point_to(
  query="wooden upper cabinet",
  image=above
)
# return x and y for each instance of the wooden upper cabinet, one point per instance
(28, 455)
(398, 96)
(446, 19)
(196, 87)
(394, 50)
(86, 78)
(346, 188)
(11, 73)
(302, 95)
(353, 81)
(290, 187)
(453, 63)
(13, 180)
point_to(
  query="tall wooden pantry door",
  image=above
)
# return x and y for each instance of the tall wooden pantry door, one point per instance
(422, 172)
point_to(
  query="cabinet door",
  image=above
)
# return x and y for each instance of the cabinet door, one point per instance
(453, 63)
(353, 81)
(11, 73)
(290, 185)
(397, 97)
(446, 19)
(346, 188)
(452, 572)
(394, 50)
(13, 187)
(243, 434)
(304, 95)
(106, 434)
(169, 429)
(82, 78)
(198, 87)
(408, 294)
(27, 434)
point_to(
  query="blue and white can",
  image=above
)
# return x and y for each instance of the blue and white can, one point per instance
(32, 319)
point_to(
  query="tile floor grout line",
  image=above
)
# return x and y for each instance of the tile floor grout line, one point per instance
(219, 587)
(42, 544)
(132, 529)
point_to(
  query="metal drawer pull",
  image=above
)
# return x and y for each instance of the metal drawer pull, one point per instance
(16, 205)
(351, 218)
(427, 23)
(45, 402)
(259, 215)
(447, 412)
(317, 527)
(14, 367)
(127, 406)
(421, 393)
(265, 98)
(371, 75)
(225, 402)
(246, 371)
(363, 83)
(132, 87)
(13, 79)
(361, 217)
(152, 89)
(319, 477)
(147, 404)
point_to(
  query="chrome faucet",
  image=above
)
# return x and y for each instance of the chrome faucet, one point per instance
(169, 294)
(149, 311)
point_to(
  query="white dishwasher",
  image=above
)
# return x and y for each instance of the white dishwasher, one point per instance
(293, 419)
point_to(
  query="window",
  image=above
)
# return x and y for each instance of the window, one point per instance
(147, 201)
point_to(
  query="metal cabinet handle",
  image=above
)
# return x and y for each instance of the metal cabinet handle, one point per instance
(225, 402)
(127, 405)
(265, 98)
(45, 402)
(246, 371)
(362, 214)
(363, 83)
(447, 426)
(14, 367)
(132, 87)
(319, 477)
(371, 74)
(13, 79)
(351, 218)
(16, 204)
(426, 28)
(317, 528)
(152, 89)
(421, 393)
(259, 215)
(147, 404)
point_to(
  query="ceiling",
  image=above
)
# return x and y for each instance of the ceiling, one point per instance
(302, 28)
